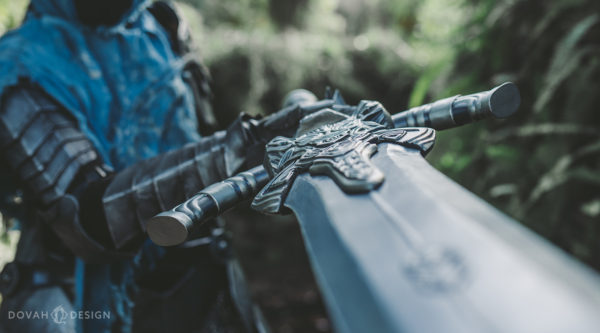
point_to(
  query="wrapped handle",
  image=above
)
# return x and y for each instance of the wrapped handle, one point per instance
(174, 226)
(500, 102)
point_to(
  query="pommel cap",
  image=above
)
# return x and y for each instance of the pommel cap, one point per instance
(503, 101)
(169, 228)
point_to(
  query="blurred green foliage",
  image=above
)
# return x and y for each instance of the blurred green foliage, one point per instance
(541, 166)
(11, 14)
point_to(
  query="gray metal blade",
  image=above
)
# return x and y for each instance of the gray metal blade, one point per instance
(421, 254)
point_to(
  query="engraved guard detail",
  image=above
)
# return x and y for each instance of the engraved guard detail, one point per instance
(341, 150)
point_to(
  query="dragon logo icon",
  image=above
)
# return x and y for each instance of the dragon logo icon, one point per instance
(59, 315)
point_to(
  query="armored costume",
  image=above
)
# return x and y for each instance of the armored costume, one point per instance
(101, 116)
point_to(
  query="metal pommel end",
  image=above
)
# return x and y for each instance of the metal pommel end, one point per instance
(173, 227)
(500, 102)
(169, 229)
(504, 100)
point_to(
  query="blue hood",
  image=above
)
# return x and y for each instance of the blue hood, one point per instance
(122, 83)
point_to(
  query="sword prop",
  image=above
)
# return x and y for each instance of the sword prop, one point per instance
(394, 244)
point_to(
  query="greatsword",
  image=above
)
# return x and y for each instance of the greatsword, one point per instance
(395, 245)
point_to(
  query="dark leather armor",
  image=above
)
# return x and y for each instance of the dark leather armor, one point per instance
(42, 144)
(60, 168)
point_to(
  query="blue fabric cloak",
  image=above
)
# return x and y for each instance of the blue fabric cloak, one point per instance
(123, 84)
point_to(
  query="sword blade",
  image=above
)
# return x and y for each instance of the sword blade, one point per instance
(421, 254)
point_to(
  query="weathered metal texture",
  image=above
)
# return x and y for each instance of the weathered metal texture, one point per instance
(500, 102)
(340, 149)
(421, 254)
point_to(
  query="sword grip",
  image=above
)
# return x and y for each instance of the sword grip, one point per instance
(500, 102)
(174, 226)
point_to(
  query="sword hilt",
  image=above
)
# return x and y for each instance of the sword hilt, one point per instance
(173, 227)
(500, 102)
